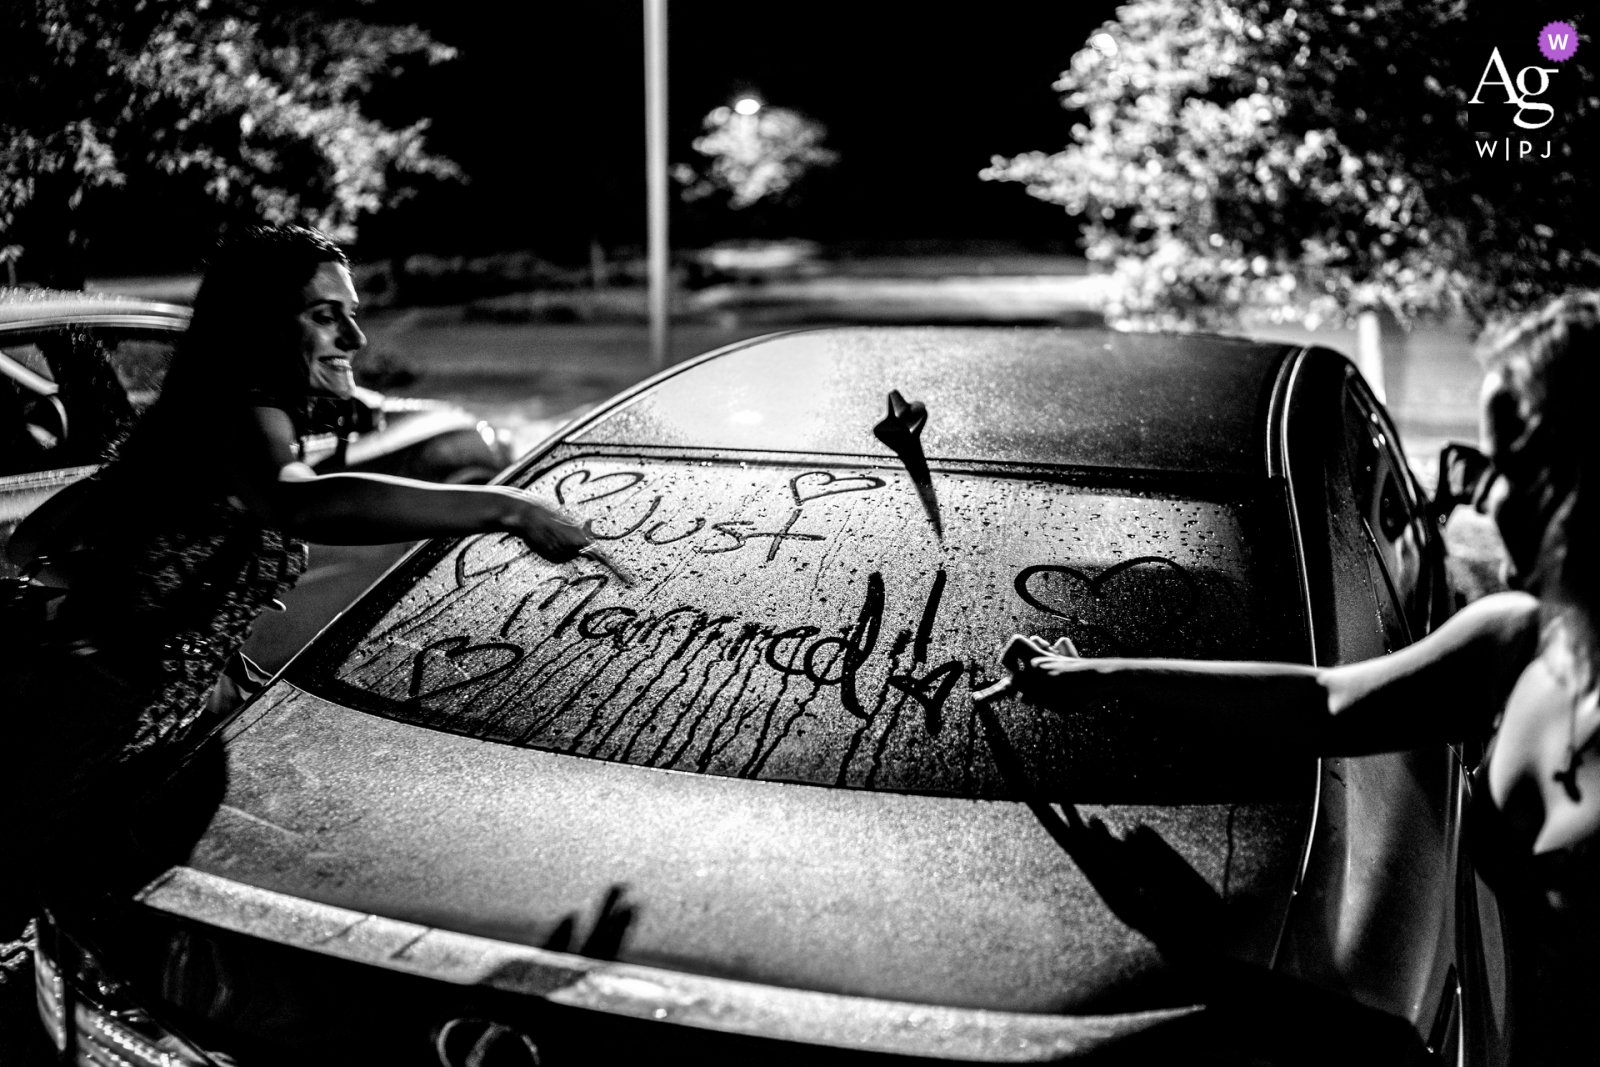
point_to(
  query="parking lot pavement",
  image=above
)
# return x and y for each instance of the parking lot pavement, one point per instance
(537, 369)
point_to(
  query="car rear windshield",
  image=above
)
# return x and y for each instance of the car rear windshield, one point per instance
(813, 623)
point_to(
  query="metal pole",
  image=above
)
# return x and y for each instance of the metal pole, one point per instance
(1369, 350)
(655, 136)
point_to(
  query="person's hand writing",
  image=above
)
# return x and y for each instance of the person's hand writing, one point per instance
(1028, 659)
(1026, 655)
(550, 533)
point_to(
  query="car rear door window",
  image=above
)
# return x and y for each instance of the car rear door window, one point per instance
(141, 362)
(98, 381)
(805, 623)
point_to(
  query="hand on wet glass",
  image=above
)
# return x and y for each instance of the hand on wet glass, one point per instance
(549, 532)
(1027, 660)
(1031, 656)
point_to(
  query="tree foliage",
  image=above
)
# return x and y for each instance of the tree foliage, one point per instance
(755, 157)
(254, 107)
(1309, 160)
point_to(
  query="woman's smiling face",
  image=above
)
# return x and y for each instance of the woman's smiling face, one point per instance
(329, 336)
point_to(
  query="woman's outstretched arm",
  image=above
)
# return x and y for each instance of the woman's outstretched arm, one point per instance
(1447, 687)
(378, 508)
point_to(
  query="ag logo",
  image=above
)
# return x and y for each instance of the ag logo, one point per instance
(1558, 42)
(1523, 102)
(471, 1042)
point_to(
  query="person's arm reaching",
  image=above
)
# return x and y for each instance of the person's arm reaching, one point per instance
(377, 508)
(1446, 687)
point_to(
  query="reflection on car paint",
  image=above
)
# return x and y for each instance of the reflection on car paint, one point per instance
(840, 652)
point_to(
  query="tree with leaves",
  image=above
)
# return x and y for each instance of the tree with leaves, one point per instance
(755, 155)
(1304, 160)
(253, 110)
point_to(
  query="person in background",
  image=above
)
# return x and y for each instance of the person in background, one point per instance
(1520, 667)
(1524, 664)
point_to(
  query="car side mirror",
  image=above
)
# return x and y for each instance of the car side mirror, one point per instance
(1463, 471)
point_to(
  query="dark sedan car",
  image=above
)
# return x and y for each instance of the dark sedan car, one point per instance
(731, 797)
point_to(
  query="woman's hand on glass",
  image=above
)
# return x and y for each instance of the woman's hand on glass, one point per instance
(550, 533)
(1028, 660)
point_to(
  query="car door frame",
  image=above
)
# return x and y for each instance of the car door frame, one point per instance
(1318, 941)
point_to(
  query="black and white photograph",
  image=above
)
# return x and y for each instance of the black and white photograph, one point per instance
(844, 533)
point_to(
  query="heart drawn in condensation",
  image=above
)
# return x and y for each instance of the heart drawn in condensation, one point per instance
(628, 480)
(824, 483)
(454, 662)
(510, 547)
(1137, 607)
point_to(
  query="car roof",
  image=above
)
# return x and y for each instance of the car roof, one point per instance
(1188, 403)
(54, 307)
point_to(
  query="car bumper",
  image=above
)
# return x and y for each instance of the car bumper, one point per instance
(569, 1006)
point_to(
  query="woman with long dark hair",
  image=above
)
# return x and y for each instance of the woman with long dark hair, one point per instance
(195, 525)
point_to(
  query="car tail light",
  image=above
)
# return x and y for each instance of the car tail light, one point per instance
(107, 1027)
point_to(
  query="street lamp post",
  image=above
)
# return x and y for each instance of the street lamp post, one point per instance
(1369, 350)
(655, 125)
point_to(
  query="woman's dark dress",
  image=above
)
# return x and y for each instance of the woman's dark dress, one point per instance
(166, 582)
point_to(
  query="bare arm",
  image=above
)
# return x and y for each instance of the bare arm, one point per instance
(377, 508)
(1446, 687)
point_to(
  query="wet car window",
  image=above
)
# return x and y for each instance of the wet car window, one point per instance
(29, 356)
(1384, 500)
(32, 425)
(805, 624)
(141, 364)
(104, 377)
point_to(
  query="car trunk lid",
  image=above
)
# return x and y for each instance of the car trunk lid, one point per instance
(935, 900)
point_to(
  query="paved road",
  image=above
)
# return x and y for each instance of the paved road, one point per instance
(526, 375)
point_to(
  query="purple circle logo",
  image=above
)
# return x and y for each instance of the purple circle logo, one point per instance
(1558, 41)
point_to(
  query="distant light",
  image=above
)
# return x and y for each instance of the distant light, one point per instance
(747, 105)
(1104, 43)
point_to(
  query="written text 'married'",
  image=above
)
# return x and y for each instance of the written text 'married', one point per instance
(806, 624)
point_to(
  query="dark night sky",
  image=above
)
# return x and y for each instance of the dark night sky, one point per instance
(544, 110)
